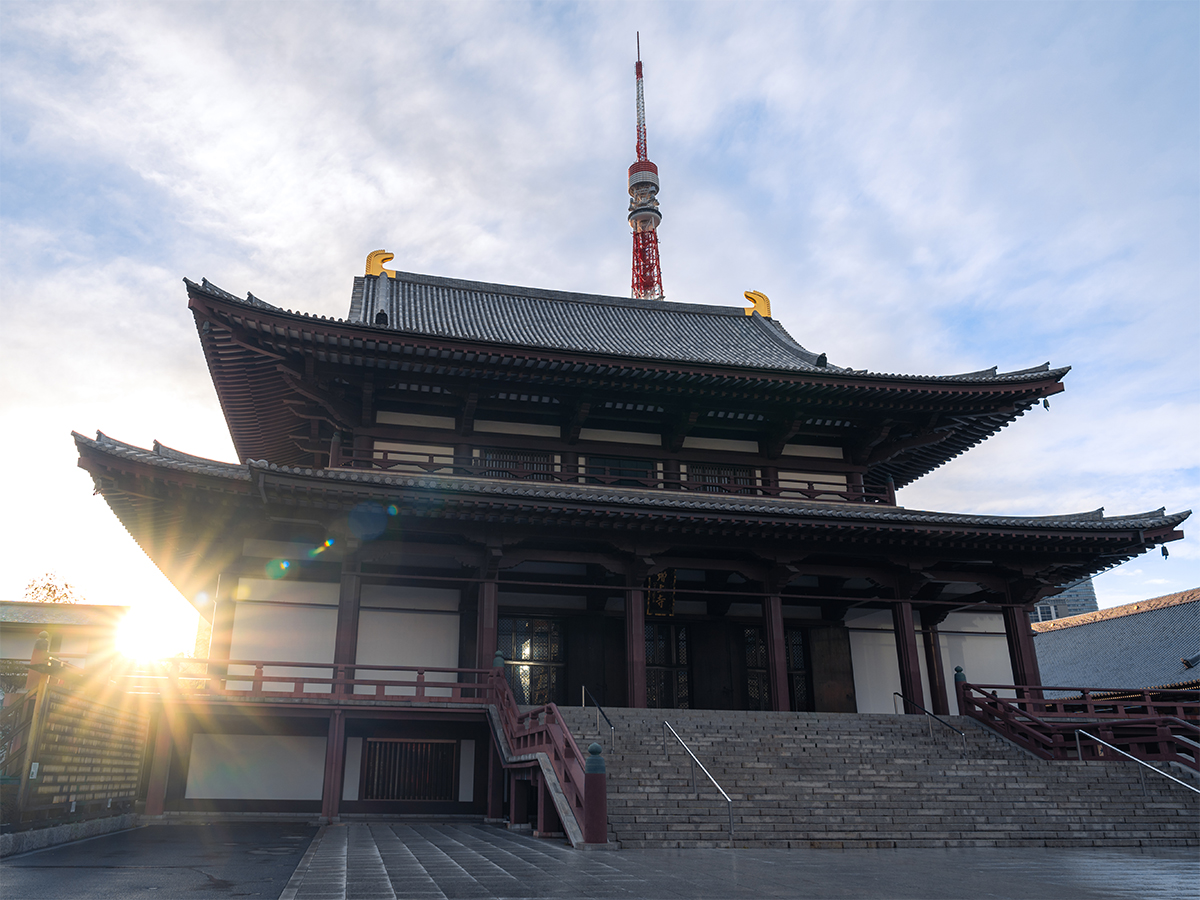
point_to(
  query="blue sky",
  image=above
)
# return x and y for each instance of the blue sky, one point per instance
(919, 188)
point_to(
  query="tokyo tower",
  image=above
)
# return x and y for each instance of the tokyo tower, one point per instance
(644, 215)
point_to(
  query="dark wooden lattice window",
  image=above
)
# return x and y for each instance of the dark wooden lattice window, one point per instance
(797, 665)
(758, 687)
(524, 464)
(535, 659)
(620, 471)
(667, 667)
(720, 479)
(409, 770)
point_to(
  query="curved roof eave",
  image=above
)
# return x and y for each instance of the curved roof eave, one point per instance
(791, 358)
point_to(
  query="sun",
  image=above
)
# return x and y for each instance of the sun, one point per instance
(156, 631)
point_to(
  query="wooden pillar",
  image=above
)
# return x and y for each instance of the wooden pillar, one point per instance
(547, 816)
(345, 647)
(335, 766)
(930, 619)
(224, 606)
(776, 652)
(160, 765)
(495, 788)
(906, 655)
(487, 623)
(1021, 651)
(635, 644)
(518, 802)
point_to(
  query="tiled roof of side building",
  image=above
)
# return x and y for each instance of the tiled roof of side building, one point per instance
(1091, 520)
(16, 612)
(1116, 612)
(590, 323)
(1139, 645)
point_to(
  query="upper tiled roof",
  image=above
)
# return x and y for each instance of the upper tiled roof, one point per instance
(585, 323)
(591, 323)
(1091, 520)
(1138, 645)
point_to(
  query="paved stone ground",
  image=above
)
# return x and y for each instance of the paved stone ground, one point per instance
(162, 862)
(422, 862)
(382, 861)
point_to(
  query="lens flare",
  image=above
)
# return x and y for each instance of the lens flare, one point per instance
(393, 510)
(321, 548)
(277, 568)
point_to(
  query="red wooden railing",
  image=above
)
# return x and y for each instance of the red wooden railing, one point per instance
(538, 730)
(748, 483)
(1161, 725)
(542, 730)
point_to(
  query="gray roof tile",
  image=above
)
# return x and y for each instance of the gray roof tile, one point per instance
(1124, 649)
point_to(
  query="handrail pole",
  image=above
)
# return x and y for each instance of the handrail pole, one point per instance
(1079, 731)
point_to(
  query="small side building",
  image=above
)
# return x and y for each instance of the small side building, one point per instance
(82, 634)
(1149, 644)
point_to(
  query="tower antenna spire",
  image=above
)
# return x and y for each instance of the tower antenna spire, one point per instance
(644, 214)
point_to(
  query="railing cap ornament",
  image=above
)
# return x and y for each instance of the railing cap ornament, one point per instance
(595, 762)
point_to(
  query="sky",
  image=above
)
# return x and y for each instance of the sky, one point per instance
(921, 188)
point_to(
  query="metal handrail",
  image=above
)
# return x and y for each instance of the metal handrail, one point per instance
(612, 729)
(1144, 765)
(928, 715)
(696, 762)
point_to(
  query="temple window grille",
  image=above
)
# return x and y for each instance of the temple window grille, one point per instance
(721, 479)
(620, 472)
(524, 464)
(535, 659)
(799, 677)
(409, 770)
(667, 685)
(758, 687)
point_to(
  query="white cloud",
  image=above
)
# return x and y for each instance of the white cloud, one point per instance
(918, 188)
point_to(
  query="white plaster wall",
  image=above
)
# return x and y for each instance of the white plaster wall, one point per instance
(255, 767)
(287, 633)
(388, 597)
(321, 593)
(466, 771)
(400, 638)
(984, 658)
(876, 670)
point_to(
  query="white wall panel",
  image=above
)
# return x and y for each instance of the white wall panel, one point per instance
(466, 771)
(255, 767)
(876, 670)
(321, 593)
(396, 638)
(388, 597)
(285, 633)
(984, 658)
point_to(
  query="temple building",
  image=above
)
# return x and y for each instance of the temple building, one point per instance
(665, 504)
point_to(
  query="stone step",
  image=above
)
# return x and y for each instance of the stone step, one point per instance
(825, 779)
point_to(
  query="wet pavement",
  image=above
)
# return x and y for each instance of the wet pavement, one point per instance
(162, 862)
(387, 861)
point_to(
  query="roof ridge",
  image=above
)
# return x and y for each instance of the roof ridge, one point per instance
(534, 293)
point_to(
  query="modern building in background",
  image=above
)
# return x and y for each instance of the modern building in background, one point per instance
(1149, 644)
(1077, 599)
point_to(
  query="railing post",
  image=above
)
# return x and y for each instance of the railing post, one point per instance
(960, 680)
(595, 798)
(257, 683)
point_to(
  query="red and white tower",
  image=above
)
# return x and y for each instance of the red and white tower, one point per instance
(643, 207)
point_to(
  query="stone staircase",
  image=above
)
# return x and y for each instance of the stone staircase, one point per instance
(839, 780)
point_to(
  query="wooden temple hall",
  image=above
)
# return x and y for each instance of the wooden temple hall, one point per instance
(664, 504)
